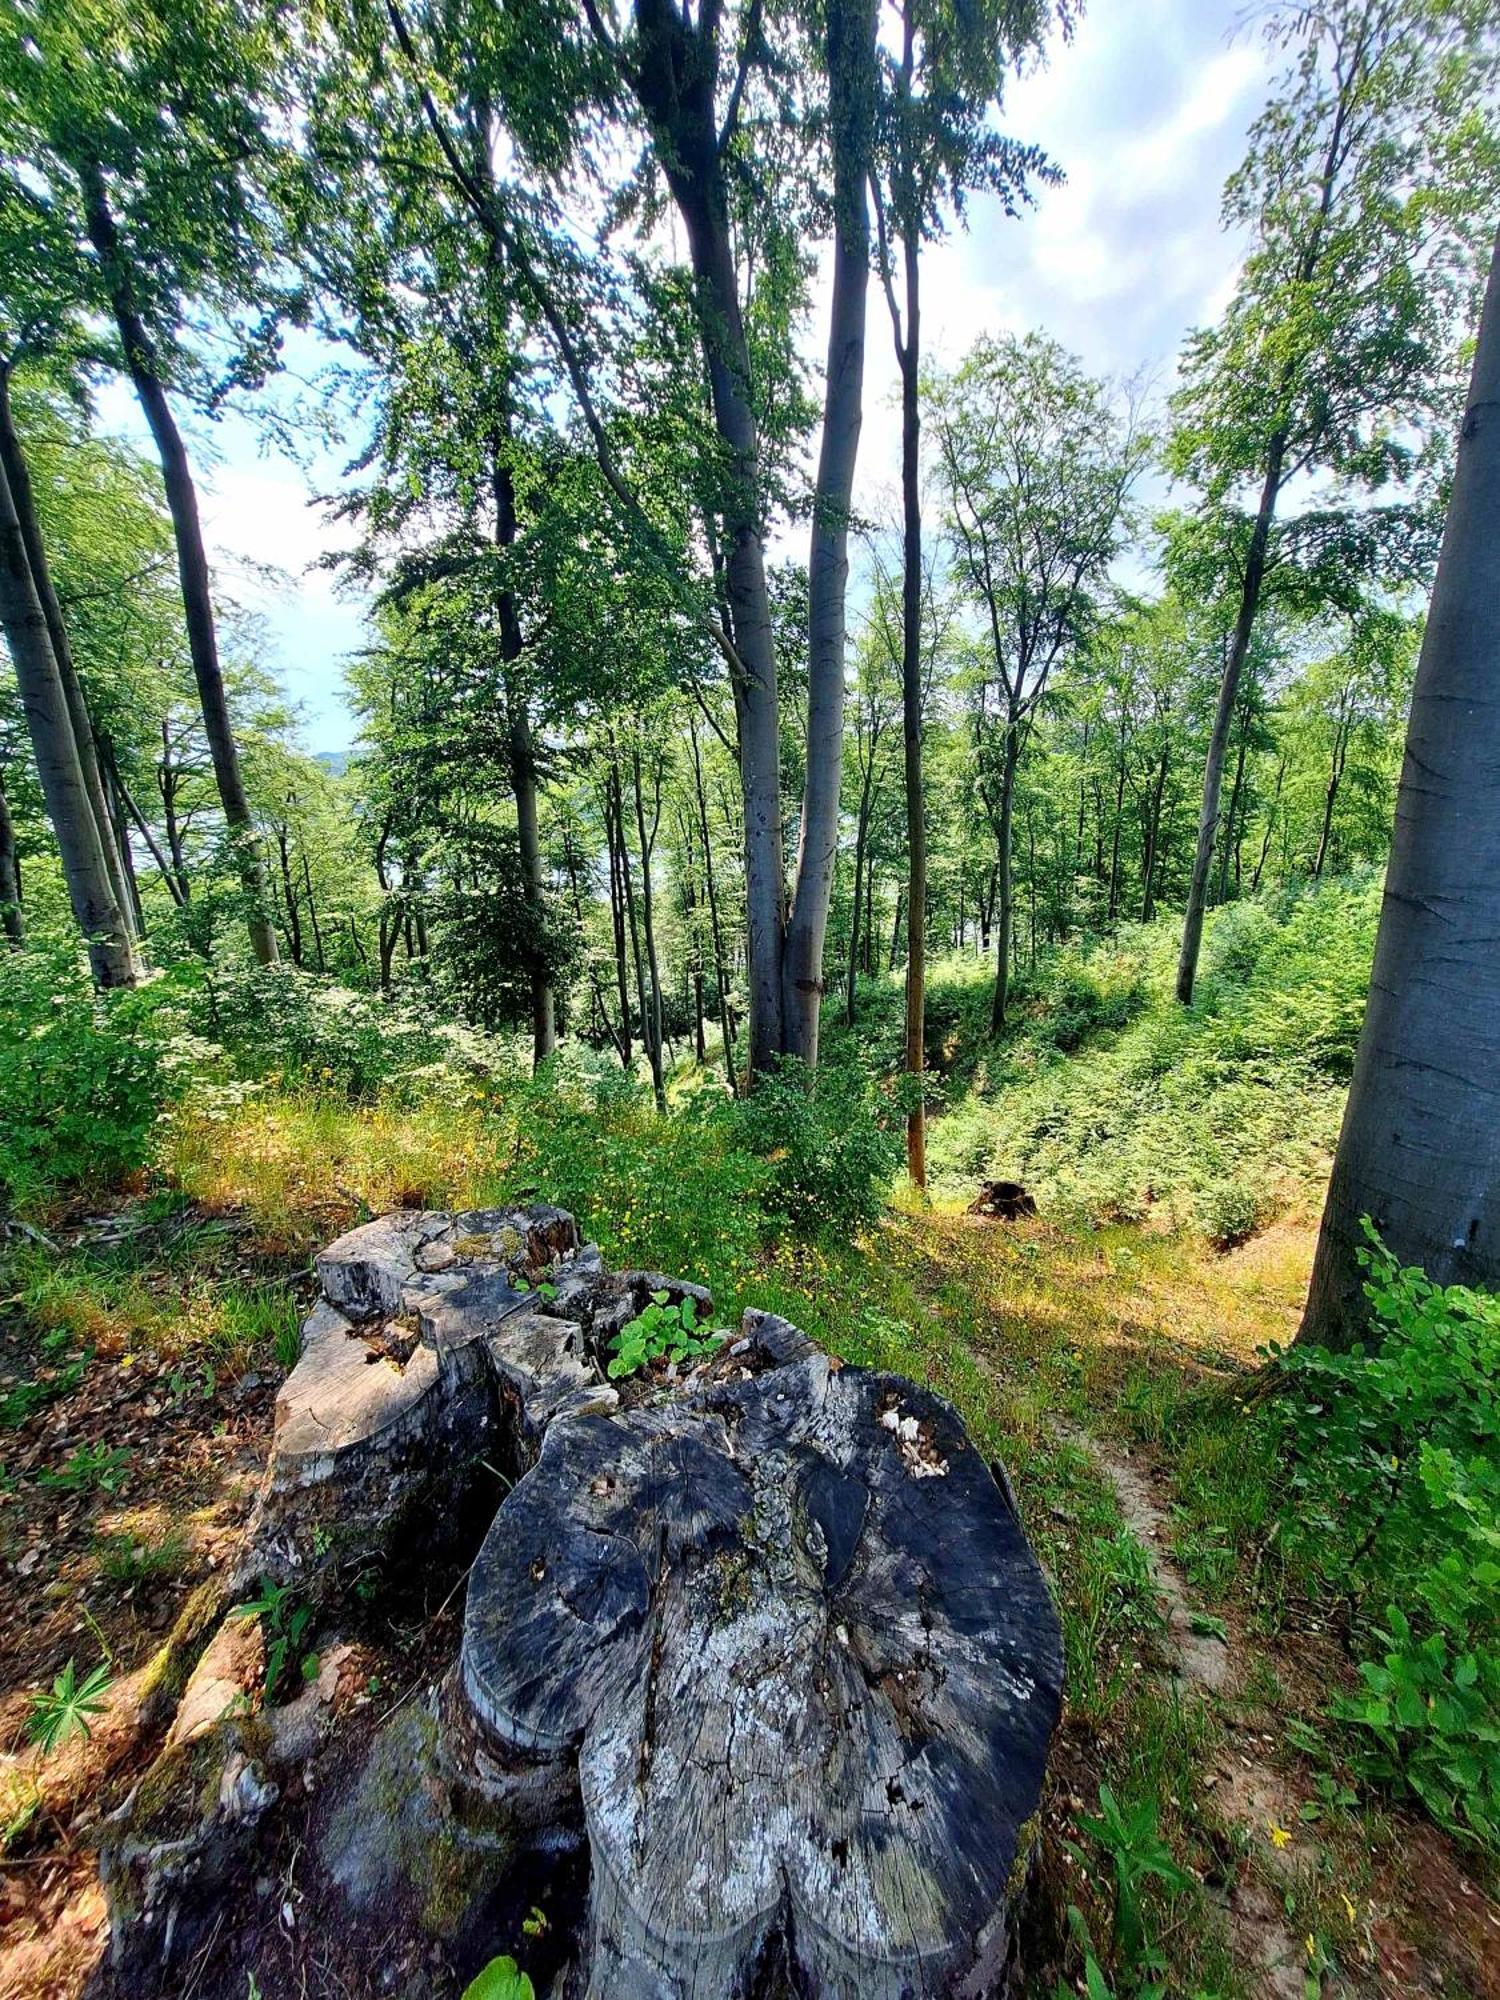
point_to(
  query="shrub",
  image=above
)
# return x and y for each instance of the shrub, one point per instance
(83, 1076)
(300, 1028)
(1394, 1500)
(830, 1151)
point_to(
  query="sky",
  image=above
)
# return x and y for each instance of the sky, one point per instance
(1146, 112)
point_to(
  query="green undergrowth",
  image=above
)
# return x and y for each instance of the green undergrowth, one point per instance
(1113, 1103)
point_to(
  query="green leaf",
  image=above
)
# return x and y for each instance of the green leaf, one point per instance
(501, 1979)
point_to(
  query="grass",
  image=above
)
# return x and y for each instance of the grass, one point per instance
(1128, 1319)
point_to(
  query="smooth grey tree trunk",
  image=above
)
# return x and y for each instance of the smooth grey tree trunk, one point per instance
(143, 365)
(675, 81)
(850, 47)
(12, 923)
(13, 458)
(1419, 1152)
(90, 890)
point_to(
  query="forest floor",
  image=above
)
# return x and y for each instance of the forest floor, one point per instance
(139, 1354)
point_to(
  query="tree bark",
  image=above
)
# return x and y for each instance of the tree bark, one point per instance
(1331, 793)
(614, 841)
(523, 765)
(721, 971)
(1218, 742)
(12, 923)
(13, 458)
(675, 81)
(861, 847)
(1234, 805)
(648, 845)
(908, 338)
(91, 892)
(289, 895)
(1419, 1152)
(850, 56)
(143, 365)
(176, 887)
(1004, 874)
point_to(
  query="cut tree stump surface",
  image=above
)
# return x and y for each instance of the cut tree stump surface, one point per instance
(769, 1629)
(810, 1670)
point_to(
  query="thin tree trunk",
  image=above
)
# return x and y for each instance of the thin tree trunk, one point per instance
(11, 920)
(600, 1020)
(1265, 846)
(850, 50)
(1234, 806)
(861, 847)
(1419, 1152)
(175, 888)
(312, 911)
(647, 849)
(1003, 843)
(143, 364)
(1114, 846)
(109, 773)
(169, 779)
(909, 353)
(896, 926)
(91, 891)
(720, 968)
(1153, 834)
(614, 840)
(652, 1046)
(289, 895)
(1218, 742)
(13, 458)
(1330, 797)
(523, 767)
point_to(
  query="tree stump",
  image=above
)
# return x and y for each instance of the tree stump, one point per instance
(766, 1636)
(789, 1627)
(1006, 1201)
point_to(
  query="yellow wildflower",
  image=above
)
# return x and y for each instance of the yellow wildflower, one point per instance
(1279, 1835)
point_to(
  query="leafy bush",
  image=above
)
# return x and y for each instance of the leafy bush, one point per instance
(299, 1028)
(1394, 1501)
(83, 1077)
(830, 1150)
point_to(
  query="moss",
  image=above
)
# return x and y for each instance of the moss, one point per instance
(1028, 1840)
(166, 1674)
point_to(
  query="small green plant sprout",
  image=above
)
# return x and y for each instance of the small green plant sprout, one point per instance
(1137, 1854)
(661, 1329)
(56, 1714)
(283, 1625)
(501, 1979)
(185, 1381)
(91, 1465)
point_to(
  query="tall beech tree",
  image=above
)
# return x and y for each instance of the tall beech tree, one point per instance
(18, 477)
(1419, 1152)
(936, 146)
(1337, 353)
(90, 889)
(1035, 464)
(146, 139)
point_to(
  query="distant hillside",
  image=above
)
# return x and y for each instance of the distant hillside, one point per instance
(336, 761)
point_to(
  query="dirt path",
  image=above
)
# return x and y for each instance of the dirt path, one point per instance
(1250, 1796)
